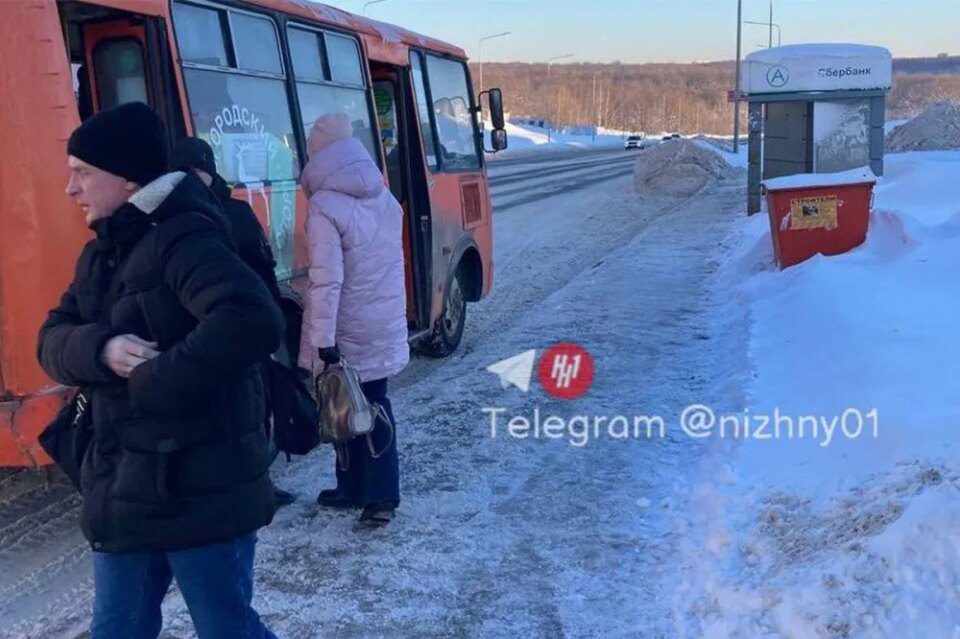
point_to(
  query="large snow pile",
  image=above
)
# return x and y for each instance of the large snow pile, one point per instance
(723, 145)
(678, 168)
(936, 129)
(858, 537)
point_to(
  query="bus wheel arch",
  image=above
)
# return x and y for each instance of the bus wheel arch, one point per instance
(464, 284)
(470, 268)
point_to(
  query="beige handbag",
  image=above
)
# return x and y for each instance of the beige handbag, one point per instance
(344, 411)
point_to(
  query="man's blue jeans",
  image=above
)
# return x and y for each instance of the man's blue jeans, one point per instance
(216, 582)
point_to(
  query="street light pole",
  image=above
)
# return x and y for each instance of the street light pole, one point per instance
(369, 2)
(764, 24)
(480, 47)
(550, 61)
(770, 36)
(736, 102)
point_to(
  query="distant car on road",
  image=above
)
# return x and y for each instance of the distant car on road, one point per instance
(671, 136)
(636, 142)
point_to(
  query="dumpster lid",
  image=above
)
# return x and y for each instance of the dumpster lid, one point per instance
(863, 175)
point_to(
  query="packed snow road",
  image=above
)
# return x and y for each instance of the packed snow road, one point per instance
(496, 536)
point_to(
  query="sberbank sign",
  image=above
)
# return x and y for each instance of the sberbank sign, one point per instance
(830, 72)
(817, 67)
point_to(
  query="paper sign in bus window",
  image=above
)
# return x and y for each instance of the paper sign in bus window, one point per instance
(813, 213)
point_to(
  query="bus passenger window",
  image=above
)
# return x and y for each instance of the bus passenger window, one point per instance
(344, 60)
(340, 87)
(307, 54)
(118, 69)
(256, 40)
(247, 122)
(200, 35)
(241, 110)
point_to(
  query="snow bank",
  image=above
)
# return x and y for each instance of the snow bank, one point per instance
(808, 180)
(857, 537)
(723, 146)
(678, 168)
(890, 125)
(936, 129)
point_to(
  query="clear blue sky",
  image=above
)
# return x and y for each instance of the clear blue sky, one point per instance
(668, 30)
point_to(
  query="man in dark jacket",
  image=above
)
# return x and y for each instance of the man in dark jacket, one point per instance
(162, 327)
(195, 155)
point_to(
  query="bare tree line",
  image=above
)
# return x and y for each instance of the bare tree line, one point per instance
(687, 98)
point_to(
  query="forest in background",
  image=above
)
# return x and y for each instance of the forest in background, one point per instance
(687, 98)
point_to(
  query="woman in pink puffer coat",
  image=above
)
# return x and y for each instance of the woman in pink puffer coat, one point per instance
(356, 302)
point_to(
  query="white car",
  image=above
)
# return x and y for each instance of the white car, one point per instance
(635, 142)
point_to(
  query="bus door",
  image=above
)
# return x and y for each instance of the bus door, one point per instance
(457, 190)
(116, 62)
(394, 125)
(119, 57)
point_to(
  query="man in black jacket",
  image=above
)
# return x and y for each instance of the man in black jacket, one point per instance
(162, 327)
(195, 155)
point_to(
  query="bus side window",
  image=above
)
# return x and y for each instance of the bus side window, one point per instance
(119, 69)
(238, 97)
(330, 79)
(452, 110)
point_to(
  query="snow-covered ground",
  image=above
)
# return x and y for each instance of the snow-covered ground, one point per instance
(496, 536)
(525, 139)
(659, 534)
(857, 537)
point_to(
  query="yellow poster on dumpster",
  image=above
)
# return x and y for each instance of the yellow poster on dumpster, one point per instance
(813, 212)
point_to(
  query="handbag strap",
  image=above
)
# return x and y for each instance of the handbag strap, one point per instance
(343, 457)
(343, 453)
(380, 411)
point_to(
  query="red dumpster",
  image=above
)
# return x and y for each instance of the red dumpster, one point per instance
(824, 213)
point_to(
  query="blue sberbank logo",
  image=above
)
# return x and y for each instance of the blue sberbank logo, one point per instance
(778, 76)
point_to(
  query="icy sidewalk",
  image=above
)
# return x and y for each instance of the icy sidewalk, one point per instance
(857, 537)
(503, 537)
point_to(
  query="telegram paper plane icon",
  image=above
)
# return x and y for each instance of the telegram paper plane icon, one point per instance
(516, 370)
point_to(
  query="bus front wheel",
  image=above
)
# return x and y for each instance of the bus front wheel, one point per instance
(448, 330)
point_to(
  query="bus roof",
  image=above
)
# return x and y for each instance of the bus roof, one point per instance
(385, 42)
(371, 29)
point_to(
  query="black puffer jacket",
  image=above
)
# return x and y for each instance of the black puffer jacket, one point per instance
(180, 457)
(248, 236)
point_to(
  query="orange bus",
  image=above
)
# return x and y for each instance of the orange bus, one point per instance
(250, 77)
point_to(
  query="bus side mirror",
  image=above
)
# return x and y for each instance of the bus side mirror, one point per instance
(498, 136)
(498, 139)
(495, 100)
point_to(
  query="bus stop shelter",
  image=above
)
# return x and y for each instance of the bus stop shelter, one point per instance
(814, 108)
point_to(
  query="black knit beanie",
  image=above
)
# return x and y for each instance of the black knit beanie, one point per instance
(194, 153)
(129, 140)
